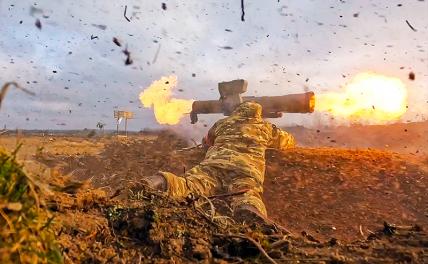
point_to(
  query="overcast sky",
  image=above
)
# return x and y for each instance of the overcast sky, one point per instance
(281, 47)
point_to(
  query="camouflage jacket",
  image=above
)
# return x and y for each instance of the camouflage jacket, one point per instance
(239, 142)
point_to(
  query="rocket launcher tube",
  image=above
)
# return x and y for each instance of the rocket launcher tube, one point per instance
(291, 103)
(205, 107)
(273, 106)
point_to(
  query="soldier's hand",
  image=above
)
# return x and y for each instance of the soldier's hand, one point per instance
(206, 142)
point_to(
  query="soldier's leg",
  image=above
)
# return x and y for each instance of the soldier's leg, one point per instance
(249, 207)
(251, 199)
(199, 180)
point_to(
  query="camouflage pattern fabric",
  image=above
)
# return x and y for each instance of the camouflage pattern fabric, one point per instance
(235, 159)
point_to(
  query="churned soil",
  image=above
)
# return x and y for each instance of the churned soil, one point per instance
(345, 194)
(341, 205)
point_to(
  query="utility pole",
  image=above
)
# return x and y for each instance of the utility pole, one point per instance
(126, 126)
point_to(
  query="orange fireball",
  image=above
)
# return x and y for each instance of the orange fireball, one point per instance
(158, 96)
(368, 98)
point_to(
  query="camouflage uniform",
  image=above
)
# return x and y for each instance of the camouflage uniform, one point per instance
(235, 159)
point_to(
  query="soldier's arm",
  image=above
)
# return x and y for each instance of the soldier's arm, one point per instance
(209, 139)
(281, 140)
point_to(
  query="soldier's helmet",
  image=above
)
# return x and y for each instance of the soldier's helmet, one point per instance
(248, 110)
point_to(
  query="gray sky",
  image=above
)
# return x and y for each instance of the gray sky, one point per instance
(278, 47)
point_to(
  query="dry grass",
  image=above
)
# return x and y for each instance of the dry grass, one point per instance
(25, 226)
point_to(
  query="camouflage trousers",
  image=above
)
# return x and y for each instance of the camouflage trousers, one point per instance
(208, 180)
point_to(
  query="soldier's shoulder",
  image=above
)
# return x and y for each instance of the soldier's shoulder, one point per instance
(268, 124)
(219, 124)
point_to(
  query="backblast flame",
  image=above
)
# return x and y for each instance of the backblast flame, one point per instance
(368, 98)
(167, 110)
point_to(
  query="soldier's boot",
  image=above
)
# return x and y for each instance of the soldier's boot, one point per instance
(156, 182)
(249, 214)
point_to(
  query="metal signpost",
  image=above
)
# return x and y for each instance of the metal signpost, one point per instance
(119, 115)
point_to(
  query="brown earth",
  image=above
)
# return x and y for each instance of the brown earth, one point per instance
(345, 193)
(327, 197)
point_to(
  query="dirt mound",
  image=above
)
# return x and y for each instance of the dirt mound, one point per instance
(152, 228)
(327, 197)
(328, 192)
(128, 160)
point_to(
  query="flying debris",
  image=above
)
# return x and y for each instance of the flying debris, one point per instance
(38, 24)
(6, 87)
(117, 42)
(102, 27)
(128, 60)
(410, 26)
(124, 14)
(412, 76)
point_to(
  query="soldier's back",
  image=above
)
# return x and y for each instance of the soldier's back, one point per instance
(240, 145)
